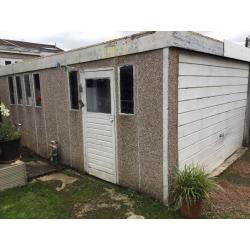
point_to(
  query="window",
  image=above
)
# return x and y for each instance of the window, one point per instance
(73, 88)
(27, 90)
(126, 89)
(19, 90)
(37, 88)
(98, 95)
(7, 62)
(11, 90)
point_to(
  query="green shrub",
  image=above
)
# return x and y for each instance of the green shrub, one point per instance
(7, 130)
(192, 184)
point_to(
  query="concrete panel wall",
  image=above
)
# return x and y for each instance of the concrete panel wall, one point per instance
(4, 93)
(61, 103)
(150, 129)
(173, 70)
(139, 136)
(21, 119)
(30, 128)
(41, 132)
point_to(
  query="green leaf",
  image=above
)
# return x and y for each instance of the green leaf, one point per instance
(192, 184)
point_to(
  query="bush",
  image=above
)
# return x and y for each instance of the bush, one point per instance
(192, 184)
(7, 130)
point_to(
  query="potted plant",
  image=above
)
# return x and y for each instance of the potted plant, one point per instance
(9, 137)
(192, 187)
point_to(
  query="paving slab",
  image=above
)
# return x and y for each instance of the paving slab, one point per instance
(40, 168)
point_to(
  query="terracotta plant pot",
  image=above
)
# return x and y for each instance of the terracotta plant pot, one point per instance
(193, 211)
(9, 150)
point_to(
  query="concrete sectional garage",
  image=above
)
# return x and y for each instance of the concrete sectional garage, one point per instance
(132, 110)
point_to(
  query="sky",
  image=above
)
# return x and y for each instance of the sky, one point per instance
(65, 40)
(75, 39)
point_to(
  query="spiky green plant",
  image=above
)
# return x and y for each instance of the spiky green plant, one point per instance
(192, 184)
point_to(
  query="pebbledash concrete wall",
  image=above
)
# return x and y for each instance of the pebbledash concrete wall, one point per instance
(139, 136)
(173, 72)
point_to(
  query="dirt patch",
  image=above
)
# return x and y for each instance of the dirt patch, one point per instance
(110, 199)
(81, 210)
(113, 195)
(132, 215)
(65, 179)
(234, 201)
(126, 201)
(241, 167)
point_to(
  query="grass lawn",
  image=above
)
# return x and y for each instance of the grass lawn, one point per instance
(89, 197)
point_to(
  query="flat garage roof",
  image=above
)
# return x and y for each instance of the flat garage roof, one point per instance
(136, 43)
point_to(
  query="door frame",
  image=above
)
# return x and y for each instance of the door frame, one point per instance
(84, 114)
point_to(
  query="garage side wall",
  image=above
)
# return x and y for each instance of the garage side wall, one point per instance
(212, 99)
(51, 121)
(139, 136)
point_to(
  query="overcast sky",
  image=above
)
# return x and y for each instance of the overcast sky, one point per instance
(70, 40)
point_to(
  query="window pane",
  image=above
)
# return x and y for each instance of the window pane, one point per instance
(73, 85)
(7, 62)
(27, 90)
(37, 88)
(98, 95)
(11, 90)
(127, 89)
(19, 90)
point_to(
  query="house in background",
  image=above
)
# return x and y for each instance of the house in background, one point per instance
(131, 111)
(17, 51)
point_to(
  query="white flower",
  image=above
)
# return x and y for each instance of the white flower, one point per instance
(4, 110)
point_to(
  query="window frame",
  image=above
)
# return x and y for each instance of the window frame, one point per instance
(34, 91)
(119, 90)
(31, 92)
(14, 91)
(79, 93)
(21, 82)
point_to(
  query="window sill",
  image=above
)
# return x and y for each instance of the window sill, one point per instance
(74, 110)
(124, 114)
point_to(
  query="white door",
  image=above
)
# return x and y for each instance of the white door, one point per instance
(99, 123)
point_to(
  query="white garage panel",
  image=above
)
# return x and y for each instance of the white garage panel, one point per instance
(212, 99)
